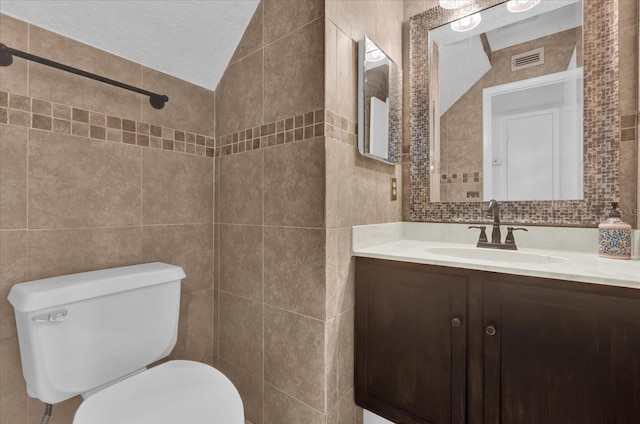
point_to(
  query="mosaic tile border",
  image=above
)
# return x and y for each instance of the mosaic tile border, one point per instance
(395, 113)
(342, 129)
(461, 177)
(628, 128)
(297, 128)
(601, 132)
(63, 119)
(319, 123)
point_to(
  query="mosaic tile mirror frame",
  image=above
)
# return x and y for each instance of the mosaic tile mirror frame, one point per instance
(601, 126)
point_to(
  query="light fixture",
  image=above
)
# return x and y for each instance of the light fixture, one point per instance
(374, 55)
(516, 6)
(467, 23)
(453, 4)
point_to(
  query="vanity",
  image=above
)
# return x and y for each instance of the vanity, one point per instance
(546, 334)
(447, 332)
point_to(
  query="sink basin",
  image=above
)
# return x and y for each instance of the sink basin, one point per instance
(509, 256)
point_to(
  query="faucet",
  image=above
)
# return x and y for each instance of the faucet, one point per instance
(494, 209)
(509, 243)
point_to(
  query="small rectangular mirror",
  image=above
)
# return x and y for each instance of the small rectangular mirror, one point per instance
(379, 103)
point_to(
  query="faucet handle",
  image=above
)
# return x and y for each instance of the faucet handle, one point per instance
(509, 239)
(483, 234)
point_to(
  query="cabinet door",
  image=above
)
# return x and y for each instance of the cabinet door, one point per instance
(410, 342)
(560, 357)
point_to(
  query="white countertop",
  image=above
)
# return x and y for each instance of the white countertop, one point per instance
(409, 242)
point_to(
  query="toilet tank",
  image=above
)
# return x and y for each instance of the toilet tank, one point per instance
(81, 331)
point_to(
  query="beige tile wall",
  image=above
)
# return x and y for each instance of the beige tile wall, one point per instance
(270, 223)
(284, 212)
(71, 203)
(357, 188)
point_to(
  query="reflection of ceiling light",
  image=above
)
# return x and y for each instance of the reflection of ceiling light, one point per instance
(374, 55)
(453, 4)
(516, 6)
(467, 23)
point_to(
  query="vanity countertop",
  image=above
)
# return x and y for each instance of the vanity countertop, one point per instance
(412, 242)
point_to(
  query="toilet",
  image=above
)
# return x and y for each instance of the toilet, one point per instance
(94, 334)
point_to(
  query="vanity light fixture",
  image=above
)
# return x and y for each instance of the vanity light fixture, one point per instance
(467, 23)
(453, 4)
(516, 6)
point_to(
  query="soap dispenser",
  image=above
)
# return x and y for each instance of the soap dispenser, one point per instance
(614, 236)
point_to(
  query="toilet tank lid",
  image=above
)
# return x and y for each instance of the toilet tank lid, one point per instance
(50, 292)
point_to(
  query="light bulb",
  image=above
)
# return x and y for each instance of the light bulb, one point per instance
(467, 23)
(517, 6)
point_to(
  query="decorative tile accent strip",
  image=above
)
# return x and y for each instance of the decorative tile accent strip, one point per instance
(297, 128)
(628, 128)
(64, 119)
(601, 131)
(395, 113)
(341, 129)
(461, 177)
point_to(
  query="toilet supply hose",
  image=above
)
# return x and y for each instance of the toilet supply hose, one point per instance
(48, 408)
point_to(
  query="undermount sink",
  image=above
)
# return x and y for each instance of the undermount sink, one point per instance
(510, 256)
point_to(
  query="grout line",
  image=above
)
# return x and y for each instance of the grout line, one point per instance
(297, 400)
(268, 225)
(28, 62)
(106, 227)
(28, 93)
(141, 199)
(262, 279)
(214, 252)
(263, 48)
(291, 32)
(321, 320)
(262, 122)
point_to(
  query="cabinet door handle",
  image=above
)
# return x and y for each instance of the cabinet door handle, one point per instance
(456, 322)
(491, 330)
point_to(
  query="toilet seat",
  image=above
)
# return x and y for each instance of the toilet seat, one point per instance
(174, 392)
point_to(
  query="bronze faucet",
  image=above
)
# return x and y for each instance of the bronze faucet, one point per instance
(494, 209)
(509, 242)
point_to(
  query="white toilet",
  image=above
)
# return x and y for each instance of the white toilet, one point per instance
(95, 332)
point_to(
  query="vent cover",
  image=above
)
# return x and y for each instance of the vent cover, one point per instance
(527, 59)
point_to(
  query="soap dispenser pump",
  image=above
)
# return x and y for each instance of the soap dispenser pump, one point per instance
(614, 236)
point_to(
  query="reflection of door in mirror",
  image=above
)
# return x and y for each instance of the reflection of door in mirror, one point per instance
(533, 139)
(530, 66)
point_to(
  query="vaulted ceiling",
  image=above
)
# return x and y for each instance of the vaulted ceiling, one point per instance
(190, 39)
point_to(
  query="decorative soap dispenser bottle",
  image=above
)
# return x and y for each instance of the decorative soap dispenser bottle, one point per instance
(614, 236)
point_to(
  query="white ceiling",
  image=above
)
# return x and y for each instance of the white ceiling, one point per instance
(463, 60)
(190, 39)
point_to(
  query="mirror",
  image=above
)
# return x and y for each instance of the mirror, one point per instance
(506, 99)
(601, 126)
(379, 103)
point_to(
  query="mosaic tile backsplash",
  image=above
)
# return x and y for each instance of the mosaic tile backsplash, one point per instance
(601, 132)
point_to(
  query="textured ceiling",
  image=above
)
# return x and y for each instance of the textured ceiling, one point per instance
(190, 39)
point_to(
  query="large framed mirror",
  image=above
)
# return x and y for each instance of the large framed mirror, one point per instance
(518, 101)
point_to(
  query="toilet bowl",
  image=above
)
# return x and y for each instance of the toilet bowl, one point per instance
(94, 334)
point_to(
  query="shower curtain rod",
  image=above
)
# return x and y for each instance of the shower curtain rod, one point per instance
(6, 59)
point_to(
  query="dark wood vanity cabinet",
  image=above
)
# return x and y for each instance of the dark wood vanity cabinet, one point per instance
(410, 343)
(441, 345)
(560, 356)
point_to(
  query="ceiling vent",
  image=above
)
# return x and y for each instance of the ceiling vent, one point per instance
(527, 59)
